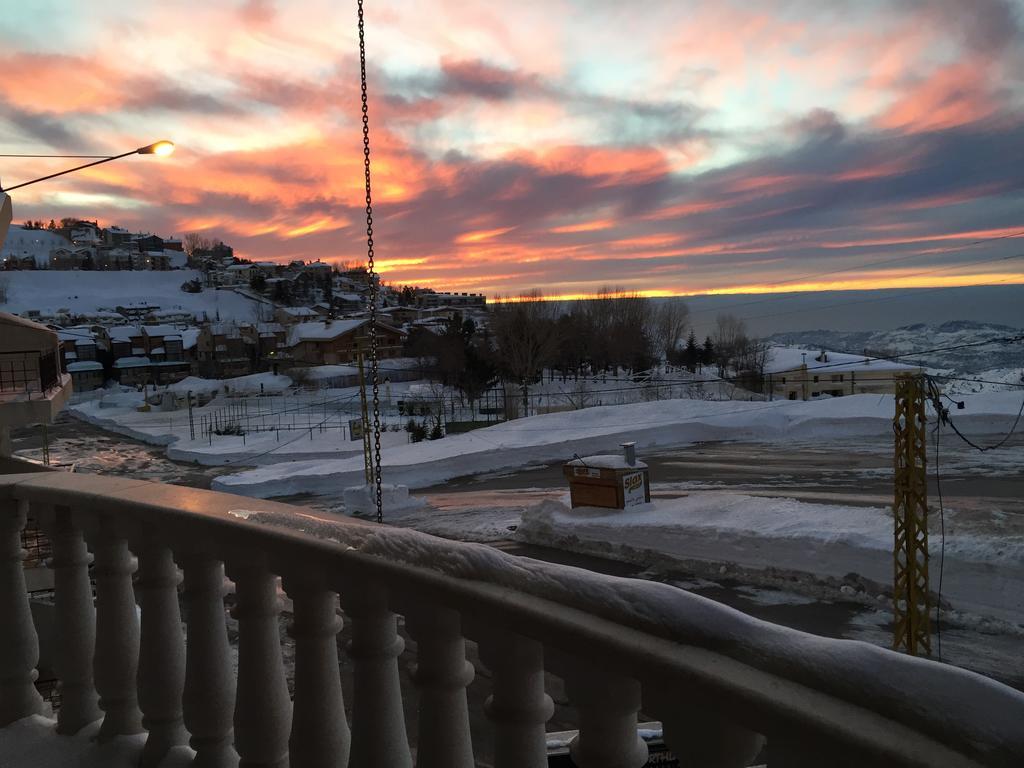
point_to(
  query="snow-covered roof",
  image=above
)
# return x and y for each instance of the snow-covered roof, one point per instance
(322, 331)
(85, 365)
(349, 297)
(609, 461)
(189, 336)
(158, 351)
(160, 330)
(225, 329)
(131, 362)
(299, 312)
(124, 332)
(77, 335)
(782, 359)
(238, 267)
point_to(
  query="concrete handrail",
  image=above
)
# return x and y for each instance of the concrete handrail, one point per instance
(721, 681)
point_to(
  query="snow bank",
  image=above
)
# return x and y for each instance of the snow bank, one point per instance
(362, 499)
(984, 574)
(33, 743)
(660, 424)
(252, 384)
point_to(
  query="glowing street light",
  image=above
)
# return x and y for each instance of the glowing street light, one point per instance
(161, 148)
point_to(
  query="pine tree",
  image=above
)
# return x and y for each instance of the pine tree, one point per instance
(692, 353)
(707, 354)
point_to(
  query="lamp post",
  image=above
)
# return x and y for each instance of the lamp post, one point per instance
(162, 148)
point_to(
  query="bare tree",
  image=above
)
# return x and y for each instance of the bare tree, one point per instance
(729, 338)
(5, 289)
(669, 323)
(524, 332)
(192, 242)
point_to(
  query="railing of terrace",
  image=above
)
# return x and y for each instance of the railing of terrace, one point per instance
(722, 683)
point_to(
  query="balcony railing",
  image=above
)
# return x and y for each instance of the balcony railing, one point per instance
(726, 687)
(29, 372)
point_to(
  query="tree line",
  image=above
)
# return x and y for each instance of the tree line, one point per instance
(527, 335)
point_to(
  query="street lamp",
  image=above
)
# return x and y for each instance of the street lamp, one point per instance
(161, 148)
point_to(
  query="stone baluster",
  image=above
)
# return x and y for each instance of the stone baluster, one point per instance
(698, 736)
(378, 721)
(209, 698)
(519, 708)
(442, 674)
(116, 660)
(74, 626)
(320, 735)
(263, 711)
(19, 645)
(607, 706)
(161, 677)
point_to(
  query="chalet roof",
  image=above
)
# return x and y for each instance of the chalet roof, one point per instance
(123, 332)
(84, 365)
(322, 331)
(782, 359)
(131, 362)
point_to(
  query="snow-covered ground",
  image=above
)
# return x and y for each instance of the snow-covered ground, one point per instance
(88, 292)
(983, 567)
(281, 424)
(659, 424)
(33, 742)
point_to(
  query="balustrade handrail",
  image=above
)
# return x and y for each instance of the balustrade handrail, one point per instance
(683, 649)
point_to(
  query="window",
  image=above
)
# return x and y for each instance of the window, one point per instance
(837, 377)
(815, 379)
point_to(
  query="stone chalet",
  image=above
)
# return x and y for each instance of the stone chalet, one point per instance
(331, 342)
(803, 374)
(147, 354)
(292, 315)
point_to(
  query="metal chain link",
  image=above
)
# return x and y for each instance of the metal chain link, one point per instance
(374, 370)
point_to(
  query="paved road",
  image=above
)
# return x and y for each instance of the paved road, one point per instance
(835, 473)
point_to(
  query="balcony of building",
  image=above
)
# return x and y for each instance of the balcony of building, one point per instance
(152, 669)
(33, 385)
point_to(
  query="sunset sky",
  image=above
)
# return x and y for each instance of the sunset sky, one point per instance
(666, 147)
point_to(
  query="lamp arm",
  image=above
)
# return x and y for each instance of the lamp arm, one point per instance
(69, 170)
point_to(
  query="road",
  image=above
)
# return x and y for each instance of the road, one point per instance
(487, 508)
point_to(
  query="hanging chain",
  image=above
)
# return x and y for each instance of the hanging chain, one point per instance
(374, 370)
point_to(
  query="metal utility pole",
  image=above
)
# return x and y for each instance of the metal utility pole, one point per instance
(912, 628)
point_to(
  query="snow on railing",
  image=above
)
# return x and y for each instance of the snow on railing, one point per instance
(726, 687)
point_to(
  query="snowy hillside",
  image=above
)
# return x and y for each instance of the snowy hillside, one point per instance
(999, 362)
(32, 242)
(81, 292)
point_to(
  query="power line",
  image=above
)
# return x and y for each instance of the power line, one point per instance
(945, 418)
(56, 156)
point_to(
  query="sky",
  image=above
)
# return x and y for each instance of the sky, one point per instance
(668, 147)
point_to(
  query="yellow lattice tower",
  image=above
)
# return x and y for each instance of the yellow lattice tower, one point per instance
(912, 632)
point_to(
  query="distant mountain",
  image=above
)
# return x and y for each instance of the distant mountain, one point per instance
(994, 361)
